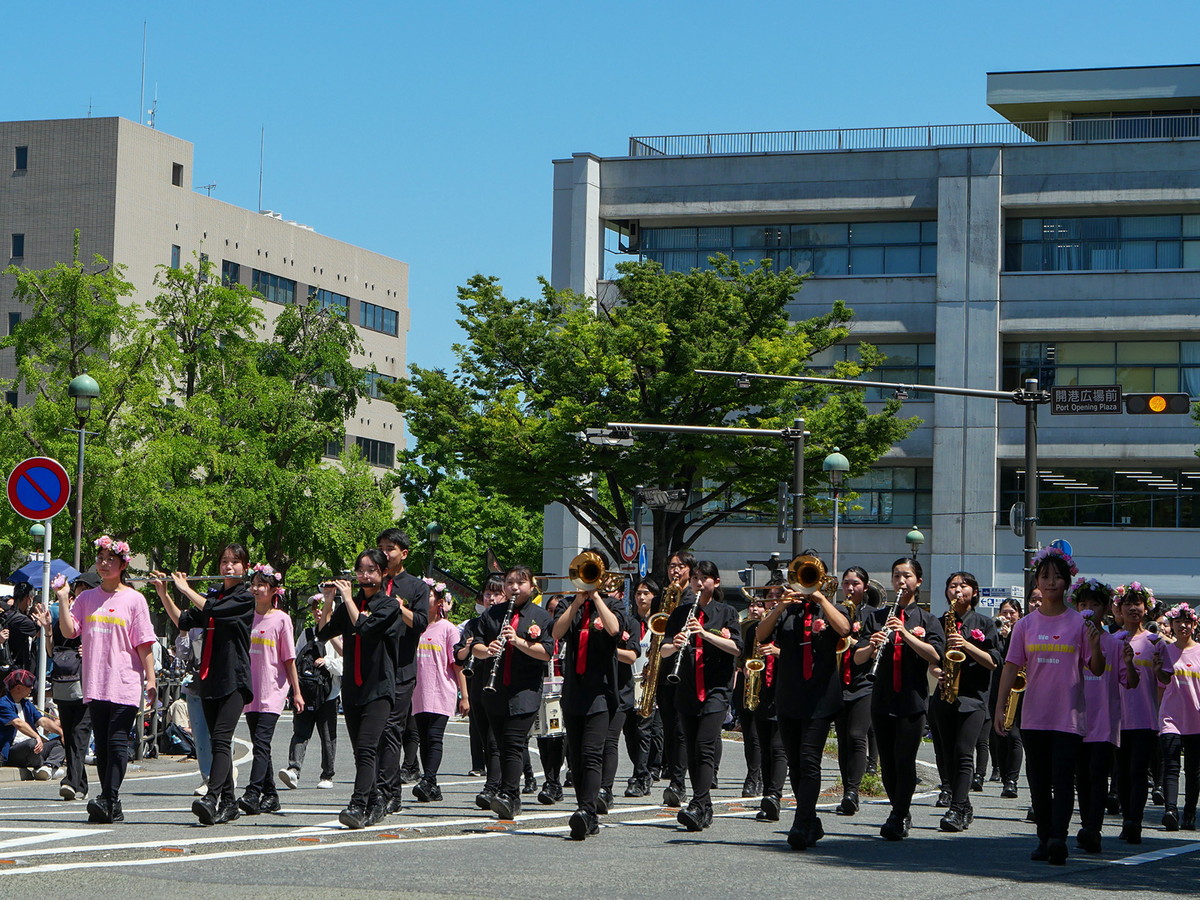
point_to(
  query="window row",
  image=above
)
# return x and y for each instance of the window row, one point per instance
(376, 453)
(378, 318)
(274, 288)
(904, 364)
(1114, 498)
(1137, 366)
(1101, 243)
(374, 380)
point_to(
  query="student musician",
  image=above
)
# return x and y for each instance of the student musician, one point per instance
(1139, 710)
(853, 723)
(700, 648)
(763, 720)
(1179, 714)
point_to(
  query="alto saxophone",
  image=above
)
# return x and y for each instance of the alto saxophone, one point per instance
(755, 666)
(1014, 699)
(657, 626)
(952, 660)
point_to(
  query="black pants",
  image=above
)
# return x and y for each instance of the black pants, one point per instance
(221, 714)
(899, 739)
(112, 723)
(324, 719)
(411, 742)
(958, 734)
(1173, 747)
(586, 737)
(77, 731)
(752, 747)
(639, 739)
(431, 731)
(1050, 768)
(612, 748)
(702, 735)
(262, 773)
(552, 751)
(774, 754)
(675, 751)
(512, 745)
(391, 749)
(853, 724)
(1091, 782)
(366, 724)
(1009, 753)
(22, 754)
(804, 743)
(983, 745)
(477, 731)
(1137, 746)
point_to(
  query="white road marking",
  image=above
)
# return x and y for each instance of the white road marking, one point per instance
(37, 836)
(1156, 855)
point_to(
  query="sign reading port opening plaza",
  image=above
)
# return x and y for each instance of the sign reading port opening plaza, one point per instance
(39, 488)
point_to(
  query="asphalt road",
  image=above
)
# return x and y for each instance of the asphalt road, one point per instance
(451, 849)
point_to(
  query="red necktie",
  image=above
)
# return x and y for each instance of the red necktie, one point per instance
(846, 665)
(807, 639)
(897, 677)
(643, 631)
(358, 660)
(700, 692)
(206, 653)
(769, 672)
(581, 646)
(508, 656)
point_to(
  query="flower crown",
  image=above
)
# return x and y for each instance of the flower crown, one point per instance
(438, 586)
(1133, 592)
(1182, 611)
(1093, 586)
(1048, 552)
(104, 542)
(267, 572)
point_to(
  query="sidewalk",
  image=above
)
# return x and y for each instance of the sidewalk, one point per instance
(160, 765)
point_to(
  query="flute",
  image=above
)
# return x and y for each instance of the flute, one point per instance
(138, 579)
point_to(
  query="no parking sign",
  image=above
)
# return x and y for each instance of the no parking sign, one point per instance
(39, 488)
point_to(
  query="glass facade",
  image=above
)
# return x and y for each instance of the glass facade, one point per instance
(338, 303)
(377, 453)
(1124, 497)
(1102, 243)
(1138, 366)
(274, 288)
(378, 318)
(373, 380)
(905, 364)
(859, 249)
(231, 272)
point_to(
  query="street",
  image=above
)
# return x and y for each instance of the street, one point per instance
(453, 849)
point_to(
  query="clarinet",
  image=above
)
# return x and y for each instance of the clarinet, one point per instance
(673, 676)
(490, 687)
(895, 611)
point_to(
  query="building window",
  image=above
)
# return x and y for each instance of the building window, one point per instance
(378, 318)
(177, 174)
(899, 495)
(860, 249)
(377, 453)
(333, 449)
(1102, 243)
(905, 364)
(1137, 366)
(10, 397)
(14, 319)
(21, 159)
(339, 304)
(231, 272)
(373, 380)
(1126, 497)
(175, 256)
(18, 246)
(273, 287)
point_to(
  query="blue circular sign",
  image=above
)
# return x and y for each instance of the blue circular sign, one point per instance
(1062, 545)
(39, 488)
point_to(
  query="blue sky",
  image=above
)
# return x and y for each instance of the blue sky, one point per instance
(426, 131)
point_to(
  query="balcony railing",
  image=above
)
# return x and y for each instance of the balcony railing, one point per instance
(1130, 128)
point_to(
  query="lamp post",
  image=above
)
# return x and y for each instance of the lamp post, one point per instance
(84, 389)
(433, 531)
(836, 466)
(915, 540)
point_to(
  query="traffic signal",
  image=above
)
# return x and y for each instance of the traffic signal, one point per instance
(1157, 404)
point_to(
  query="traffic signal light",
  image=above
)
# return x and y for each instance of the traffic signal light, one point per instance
(1157, 404)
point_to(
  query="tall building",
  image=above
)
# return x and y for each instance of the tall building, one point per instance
(128, 189)
(1062, 243)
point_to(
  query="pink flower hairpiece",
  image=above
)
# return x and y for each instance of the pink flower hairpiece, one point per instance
(104, 542)
(1134, 591)
(1094, 586)
(1047, 552)
(1181, 611)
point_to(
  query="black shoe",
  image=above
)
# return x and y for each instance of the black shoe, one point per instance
(354, 816)
(98, 813)
(1009, 791)
(1029, 817)
(977, 782)
(674, 795)
(1056, 852)
(506, 807)
(995, 776)
(409, 774)
(953, 821)
(530, 785)
(872, 767)
(1170, 819)
(1189, 820)
(604, 801)
(797, 838)
(115, 813)
(714, 784)
(1088, 840)
(1157, 797)
(768, 809)
(1131, 833)
(249, 804)
(895, 828)
(203, 808)
(427, 790)
(226, 812)
(752, 786)
(691, 817)
(484, 798)
(849, 804)
(550, 793)
(1041, 853)
(393, 804)
(943, 800)
(568, 781)
(638, 787)
(583, 824)
(816, 831)
(655, 775)
(379, 806)
(269, 804)
(969, 814)
(1112, 805)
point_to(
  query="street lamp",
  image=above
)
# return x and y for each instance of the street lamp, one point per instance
(433, 531)
(84, 389)
(836, 465)
(915, 540)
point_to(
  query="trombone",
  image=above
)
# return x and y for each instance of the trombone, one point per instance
(587, 572)
(806, 575)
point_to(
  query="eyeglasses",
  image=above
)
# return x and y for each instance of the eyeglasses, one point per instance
(372, 570)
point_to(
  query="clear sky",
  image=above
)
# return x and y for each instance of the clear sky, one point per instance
(426, 131)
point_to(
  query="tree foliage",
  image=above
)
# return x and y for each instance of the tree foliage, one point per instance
(535, 373)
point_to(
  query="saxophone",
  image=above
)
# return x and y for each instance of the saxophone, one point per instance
(755, 666)
(1014, 699)
(952, 661)
(657, 627)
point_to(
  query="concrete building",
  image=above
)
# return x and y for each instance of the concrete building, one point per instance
(1062, 243)
(128, 189)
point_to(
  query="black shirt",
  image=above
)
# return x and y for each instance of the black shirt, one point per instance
(368, 647)
(719, 666)
(914, 669)
(801, 627)
(595, 689)
(22, 638)
(859, 684)
(523, 693)
(230, 612)
(415, 593)
(975, 681)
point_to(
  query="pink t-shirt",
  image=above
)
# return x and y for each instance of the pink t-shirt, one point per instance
(436, 690)
(112, 627)
(271, 645)
(1054, 651)
(1180, 708)
(1101, 694)
(1139, 705)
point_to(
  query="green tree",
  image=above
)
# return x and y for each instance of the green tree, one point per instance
(535, 373)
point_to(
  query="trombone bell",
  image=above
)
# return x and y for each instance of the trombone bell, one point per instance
(806, 575)
(587, 573)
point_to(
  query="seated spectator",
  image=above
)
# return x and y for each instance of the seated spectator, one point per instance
(21, 743)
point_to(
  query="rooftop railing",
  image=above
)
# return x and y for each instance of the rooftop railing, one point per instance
(1129, 128)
